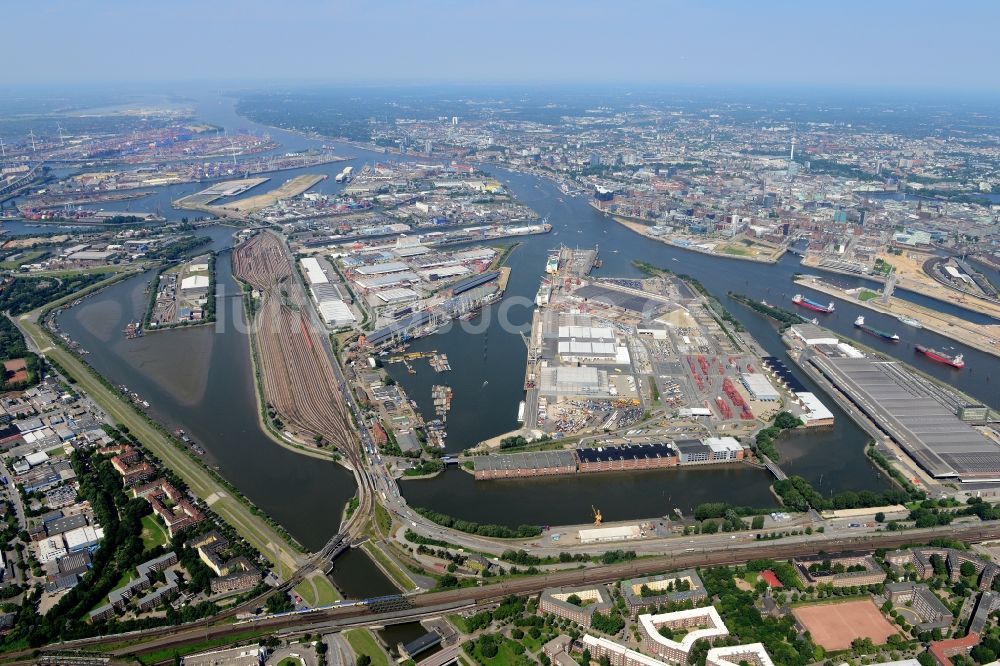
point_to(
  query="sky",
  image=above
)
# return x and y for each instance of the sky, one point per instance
(915, 44)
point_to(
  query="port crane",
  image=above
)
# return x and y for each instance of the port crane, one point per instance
(598, 518)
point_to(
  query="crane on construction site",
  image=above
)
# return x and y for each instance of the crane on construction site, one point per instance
(598, 519)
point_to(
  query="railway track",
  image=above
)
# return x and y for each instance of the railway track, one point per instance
(336, 617)
(298, 378)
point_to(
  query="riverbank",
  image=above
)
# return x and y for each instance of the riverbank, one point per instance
(983, 337)
(643, 230)
(274, 546)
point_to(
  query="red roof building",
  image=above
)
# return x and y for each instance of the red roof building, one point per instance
(768, 577)
(942, 650)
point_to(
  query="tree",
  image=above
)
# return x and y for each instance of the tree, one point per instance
(880, 517)
(585, 657)
(574, 599)
(968, 569)
(363, 660)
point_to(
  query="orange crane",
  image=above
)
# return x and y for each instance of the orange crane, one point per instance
(598, 519)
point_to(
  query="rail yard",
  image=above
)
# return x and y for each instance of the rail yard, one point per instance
(297, 377)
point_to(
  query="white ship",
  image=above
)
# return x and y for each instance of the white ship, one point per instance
(552, 265)
(544, 292)
(909, 321)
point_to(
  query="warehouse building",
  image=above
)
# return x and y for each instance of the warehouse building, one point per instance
(709, 450)
(541, 463)
(610, 534)
(636, 456)
(759, 387)
(911, 413)
(566, 382)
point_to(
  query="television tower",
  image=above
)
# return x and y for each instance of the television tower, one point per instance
(791, 153)
(31, 135)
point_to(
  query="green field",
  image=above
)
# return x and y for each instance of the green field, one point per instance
(362, 642)
(398, 576)
(317, 590)
(867, 295)
(505, 656)
(153, 534)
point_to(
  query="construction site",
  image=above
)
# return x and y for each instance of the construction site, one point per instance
(205, 200)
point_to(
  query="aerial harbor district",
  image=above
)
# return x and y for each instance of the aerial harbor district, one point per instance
(294, 378)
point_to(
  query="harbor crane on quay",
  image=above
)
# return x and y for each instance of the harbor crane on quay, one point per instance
(598, 518)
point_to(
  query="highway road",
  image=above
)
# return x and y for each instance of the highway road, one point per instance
(435, 603)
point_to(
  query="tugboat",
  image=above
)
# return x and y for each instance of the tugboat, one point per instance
(860, 323)
(954, 361)
(810, 304)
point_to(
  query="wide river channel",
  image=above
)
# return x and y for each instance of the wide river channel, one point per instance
(200, 379)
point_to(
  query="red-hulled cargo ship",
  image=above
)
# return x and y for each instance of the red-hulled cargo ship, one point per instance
(941, 357)
(810, 304)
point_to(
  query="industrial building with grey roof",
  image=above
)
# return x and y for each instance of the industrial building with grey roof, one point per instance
(931, 433)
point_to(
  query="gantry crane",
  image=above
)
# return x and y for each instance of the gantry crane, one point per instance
(598, 519)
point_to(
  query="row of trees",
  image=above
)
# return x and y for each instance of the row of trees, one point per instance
(472, 527)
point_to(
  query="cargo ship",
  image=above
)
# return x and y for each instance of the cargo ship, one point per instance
(941, 357)
(543, 295)
(552, 265)
(860, 323)
(810, 304)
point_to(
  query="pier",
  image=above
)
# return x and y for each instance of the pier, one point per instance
(983, 337)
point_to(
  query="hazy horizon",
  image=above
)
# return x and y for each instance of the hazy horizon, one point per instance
(844, 45)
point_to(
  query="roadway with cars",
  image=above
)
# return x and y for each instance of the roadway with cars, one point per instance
(434, 603)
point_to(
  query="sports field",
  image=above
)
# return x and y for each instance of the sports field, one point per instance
(835, 625)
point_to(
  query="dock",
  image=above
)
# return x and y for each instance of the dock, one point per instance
(504, 277)
(441, 396)
(440, 363)
(983, 337)
(578, 263)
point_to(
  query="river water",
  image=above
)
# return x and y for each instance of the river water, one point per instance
(200, 379)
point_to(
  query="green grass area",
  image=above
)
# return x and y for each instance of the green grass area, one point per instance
(505, 656)
(459, 623)
(153, 534)
(317, 590)
(252, 527)
(398, 576)
(26, 258)
(169, 653)
(362, 642)
(56, 452)
(867, 295)
(738, 251)
(383, 519)
(289, 661)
